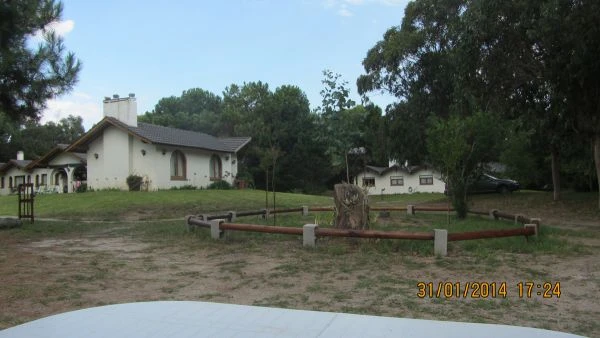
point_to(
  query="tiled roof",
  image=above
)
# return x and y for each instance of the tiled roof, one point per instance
(235, 143)
(57, 150)
(21, 163)
(179, 137)
(16, 163)
(395, 167)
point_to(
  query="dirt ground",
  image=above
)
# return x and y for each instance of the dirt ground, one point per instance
(67, 272)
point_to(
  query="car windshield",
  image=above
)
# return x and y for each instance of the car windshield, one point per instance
(490, 176)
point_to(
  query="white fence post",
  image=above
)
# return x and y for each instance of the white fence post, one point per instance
(308, 234)
(440, 242)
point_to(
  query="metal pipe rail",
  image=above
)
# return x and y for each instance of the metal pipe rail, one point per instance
(261, 228)
(325, 232)
(463, 236)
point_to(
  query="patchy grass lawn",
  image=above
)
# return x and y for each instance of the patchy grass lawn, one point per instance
(52, 267)
(167, 204)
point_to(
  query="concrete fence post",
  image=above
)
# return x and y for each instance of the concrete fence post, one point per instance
(440, 242)
(191, 227)
(215, 228)
(304, 210)
(517, 216)
(410, 209)
(308, 235)
(534, 227)
(204, 217)
(537, 222)
(265, 213)
(493, 214)
(232, 216)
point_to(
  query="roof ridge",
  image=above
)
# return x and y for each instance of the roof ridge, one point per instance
(174, 128)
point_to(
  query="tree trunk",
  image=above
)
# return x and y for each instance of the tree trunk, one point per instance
(597, 162)
(459, 199)
(267, 188)
(273, 186)
(351, 207)
(556, 173)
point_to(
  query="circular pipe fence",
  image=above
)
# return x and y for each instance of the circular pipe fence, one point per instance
(310, 232)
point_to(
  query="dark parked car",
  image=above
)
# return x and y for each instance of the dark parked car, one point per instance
(488, 183)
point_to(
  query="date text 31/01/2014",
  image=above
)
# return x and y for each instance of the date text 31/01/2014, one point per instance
(488, 289)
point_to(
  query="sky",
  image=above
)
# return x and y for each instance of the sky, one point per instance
(159, 48)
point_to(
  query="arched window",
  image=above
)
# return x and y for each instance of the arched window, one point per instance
(215, 168)
(178, 165)
(37, 180)
(10, 183)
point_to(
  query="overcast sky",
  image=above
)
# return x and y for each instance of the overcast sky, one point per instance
(157, 48)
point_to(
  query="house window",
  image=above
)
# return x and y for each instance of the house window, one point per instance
(28, 178)
(2, 182)
(368, 182)
(37, 180)
(396, 180)
(426, 179)
(19, 180)
(178, 165)
(215, 168)
(10, 182)
(44, 179)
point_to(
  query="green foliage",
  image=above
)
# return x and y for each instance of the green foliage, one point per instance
(134, 182)
(283, 133)
(31, 76)
(36, 139)
(529, 61)
(219, 185)
(459, 147)
(196, 109)
(520, 159)
(335, 94)
(184, 187)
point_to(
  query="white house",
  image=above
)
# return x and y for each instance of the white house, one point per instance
(13, 173)
(397, 179)
(57, 171)
(119, 146)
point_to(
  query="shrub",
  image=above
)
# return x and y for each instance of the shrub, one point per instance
(134, 182)
(220, 185)
(184, 187)
(82, 188)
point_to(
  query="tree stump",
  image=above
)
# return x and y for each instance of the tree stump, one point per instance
(351, 207)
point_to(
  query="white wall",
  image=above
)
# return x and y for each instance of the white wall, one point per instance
(157, 166)
(13, 172)
(411, 182)
(64, 159)
(120, 155)
(111, 168)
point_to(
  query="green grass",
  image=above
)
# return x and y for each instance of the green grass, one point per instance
(404, 199)
(114, 205)
(368, 276)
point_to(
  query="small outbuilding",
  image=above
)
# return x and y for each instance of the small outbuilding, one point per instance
(398, 179)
